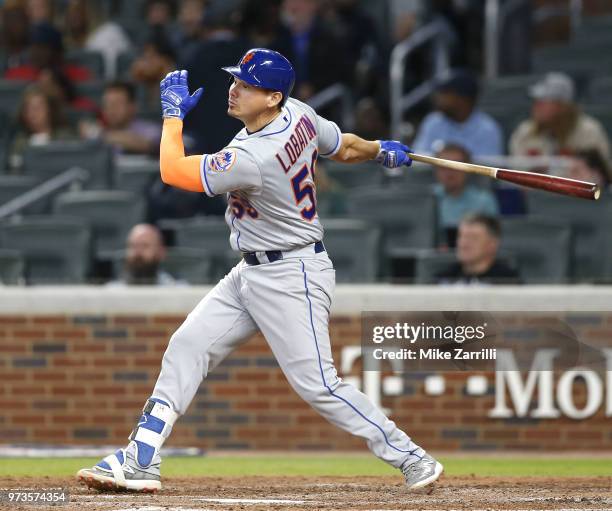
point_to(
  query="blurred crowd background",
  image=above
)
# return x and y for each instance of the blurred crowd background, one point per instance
(516, 84)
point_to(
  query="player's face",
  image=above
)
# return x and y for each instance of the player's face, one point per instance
(246, 101)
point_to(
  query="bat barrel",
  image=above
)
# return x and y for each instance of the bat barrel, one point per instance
(555, 184)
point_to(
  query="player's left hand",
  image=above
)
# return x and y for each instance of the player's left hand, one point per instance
(393, 154)
(175, 98)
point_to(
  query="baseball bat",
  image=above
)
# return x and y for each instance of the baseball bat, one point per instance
(562, 185)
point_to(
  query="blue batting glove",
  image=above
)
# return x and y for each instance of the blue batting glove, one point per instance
(175, 98)
(393, 154)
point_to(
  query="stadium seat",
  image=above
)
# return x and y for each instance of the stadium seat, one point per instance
(136, 177)
(512, 89)
(189, 264)
(46, 161)
(10, 95)
(110, 213)
(92, 60)
(211, 235)
(509, 115)
(407, 217)
(579, 61)
(600, 90)
(418, 174)
(540, 246)
(601, 112)
(590, 226)
(12, 186)
(56, 249)
(12, 268)
(428, 263)
(353, 176)
(4, 150)
(353, 246)
(92, 90)
(124, 64)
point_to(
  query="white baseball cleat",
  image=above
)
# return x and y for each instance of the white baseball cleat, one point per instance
(120, 471)
(422, 472)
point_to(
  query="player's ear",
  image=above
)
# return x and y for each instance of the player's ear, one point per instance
(275, 98)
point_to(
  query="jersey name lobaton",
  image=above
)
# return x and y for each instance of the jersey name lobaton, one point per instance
(304, 132)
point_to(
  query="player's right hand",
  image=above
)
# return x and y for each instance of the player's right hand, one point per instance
(393, 154)
(175, 98)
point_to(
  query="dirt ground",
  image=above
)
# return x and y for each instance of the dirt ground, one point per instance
(371, 493)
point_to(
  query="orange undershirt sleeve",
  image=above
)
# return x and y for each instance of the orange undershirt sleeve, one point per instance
(177, 169)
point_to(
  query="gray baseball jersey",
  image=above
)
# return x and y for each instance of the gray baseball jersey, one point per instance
(272, 206)
(269, 178)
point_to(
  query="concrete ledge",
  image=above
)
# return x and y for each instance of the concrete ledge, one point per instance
(348, 299)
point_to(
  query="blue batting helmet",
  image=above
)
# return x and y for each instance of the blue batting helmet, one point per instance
(267, 69)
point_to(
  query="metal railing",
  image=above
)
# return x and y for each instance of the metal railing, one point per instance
(43, 190)
(497, 13)
(436, 33)
(332, 94)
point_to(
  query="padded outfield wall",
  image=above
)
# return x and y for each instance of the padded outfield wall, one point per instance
(77, 364)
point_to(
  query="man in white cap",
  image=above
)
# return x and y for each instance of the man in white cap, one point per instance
(557, 126)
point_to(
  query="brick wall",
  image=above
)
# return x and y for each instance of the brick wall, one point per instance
(83, 379)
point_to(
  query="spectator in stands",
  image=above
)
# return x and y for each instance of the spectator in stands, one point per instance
(120, 126)
(15, 35)
(46, 51)
(40, 11)
(221, 43)
(319, 57)
(158, 16)
(590, 166)
(456, 198)
(458, 120)
(39, 122)
(86, 30)
(556, 126)
(145, 251)
(188, 32)
(57, 85)
(261, 23)
(160, 12)
(370, 120)
(477, 261)
(156, 59)
(351, 23)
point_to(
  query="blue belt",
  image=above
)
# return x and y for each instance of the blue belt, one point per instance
(275, 255)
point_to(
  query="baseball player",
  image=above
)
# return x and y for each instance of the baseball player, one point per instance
(284, 283)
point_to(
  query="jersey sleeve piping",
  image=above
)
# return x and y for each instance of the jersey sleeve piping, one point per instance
(337, 146)
(205, 184)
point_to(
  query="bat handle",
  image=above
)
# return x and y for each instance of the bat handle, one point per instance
(455, 165)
